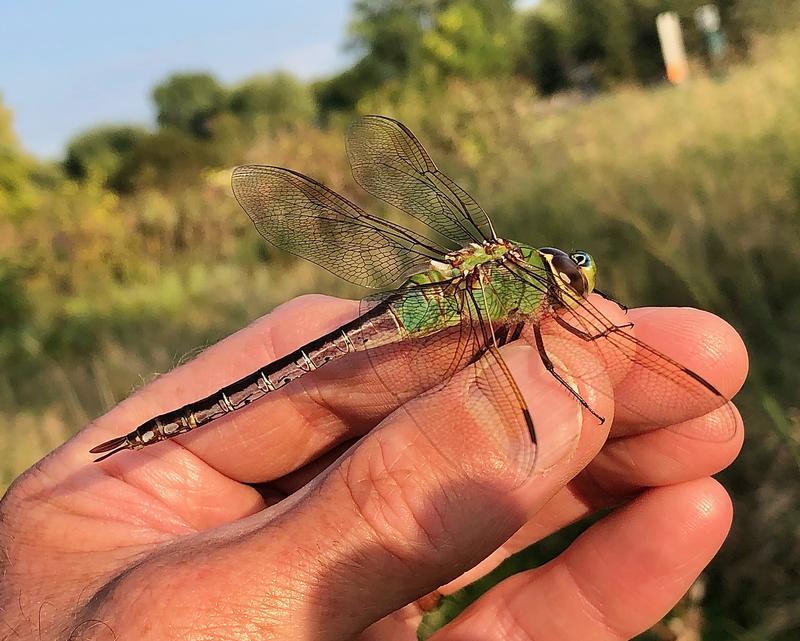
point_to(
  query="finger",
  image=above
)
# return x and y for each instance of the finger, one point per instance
(613, 582)
(694, 339)
(664, 366)
(661, 457)
(166, 482)
(419, 500)
(623, 468)
(287, 428)
(266, 440)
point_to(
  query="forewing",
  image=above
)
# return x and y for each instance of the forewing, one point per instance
(390, 163)
(304, 217)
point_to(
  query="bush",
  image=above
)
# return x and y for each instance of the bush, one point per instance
(274, 102)
(168, 160)
(99, 153)
(188, 102)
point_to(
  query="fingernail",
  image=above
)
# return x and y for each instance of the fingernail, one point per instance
(557, 416)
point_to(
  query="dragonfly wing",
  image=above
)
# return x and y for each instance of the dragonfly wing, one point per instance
(302, 216)
(390, 163)
(447, 348)
(650, 390)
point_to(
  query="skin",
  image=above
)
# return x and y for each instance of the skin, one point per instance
(270, 524)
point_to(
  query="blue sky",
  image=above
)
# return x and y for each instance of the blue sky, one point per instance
(68, 65)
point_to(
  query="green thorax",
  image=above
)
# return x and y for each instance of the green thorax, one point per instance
(478, 280)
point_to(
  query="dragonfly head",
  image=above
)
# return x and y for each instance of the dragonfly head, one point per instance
(576, 271)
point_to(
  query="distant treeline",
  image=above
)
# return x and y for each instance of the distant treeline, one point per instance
(556, 45)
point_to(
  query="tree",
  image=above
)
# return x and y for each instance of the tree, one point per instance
(387, 36)
(277, 101)
(98, 153)
(17, 188)
(397, 39)
(187, 102)
(166, 160)
(602, 32)
(389, 32)
(471, 38)
(541, 56)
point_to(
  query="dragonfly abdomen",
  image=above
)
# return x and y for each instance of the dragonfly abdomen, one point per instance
(378, 326)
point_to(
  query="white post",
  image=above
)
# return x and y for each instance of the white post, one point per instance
(672, 47)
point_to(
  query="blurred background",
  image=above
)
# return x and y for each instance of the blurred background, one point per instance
(122, 251)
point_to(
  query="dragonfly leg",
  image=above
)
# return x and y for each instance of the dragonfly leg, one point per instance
(537, 334)
(508, 333)
(516, 332)
(586, 335)
(607, 296)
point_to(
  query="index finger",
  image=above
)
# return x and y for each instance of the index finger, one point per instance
(702, 345)
(292, 425)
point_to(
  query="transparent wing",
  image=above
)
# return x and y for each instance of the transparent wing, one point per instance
(650, 390)
(447, 348)
(390, 163)
(305, 218)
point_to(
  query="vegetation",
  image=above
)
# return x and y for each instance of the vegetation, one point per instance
(133, 254)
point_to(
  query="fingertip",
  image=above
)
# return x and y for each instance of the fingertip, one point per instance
(700, 340)
(711, 505)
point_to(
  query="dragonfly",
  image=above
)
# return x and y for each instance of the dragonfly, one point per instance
(447, 301)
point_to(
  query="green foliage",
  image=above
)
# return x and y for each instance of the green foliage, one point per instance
(273, 102)
(601, 32)
(389, 32)
(99, 153)
(429, 39)
(167, 159)
(188, 102)
(388, 36)
(342, 92)
(15, 307)
(470, 39)
(541, 58)
(751, 18)
(17, 194)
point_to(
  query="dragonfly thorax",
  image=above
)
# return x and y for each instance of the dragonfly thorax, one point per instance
(464, 261)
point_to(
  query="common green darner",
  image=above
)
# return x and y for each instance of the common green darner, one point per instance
(463, 293)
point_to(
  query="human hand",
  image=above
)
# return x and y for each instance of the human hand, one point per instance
(265, 525)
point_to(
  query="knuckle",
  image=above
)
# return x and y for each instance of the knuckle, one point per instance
(401, 504)
(509, 625)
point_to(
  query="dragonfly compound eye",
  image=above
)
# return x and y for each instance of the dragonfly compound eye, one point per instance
(570, 273)
(581, 259)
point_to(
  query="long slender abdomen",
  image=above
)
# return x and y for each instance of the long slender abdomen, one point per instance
(377, 327)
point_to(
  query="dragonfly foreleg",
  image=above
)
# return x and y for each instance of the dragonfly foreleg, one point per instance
(508, 333)
(586, 335)
(537, 334)
(609, 297)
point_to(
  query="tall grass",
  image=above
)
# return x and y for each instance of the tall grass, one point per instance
(685, 196)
